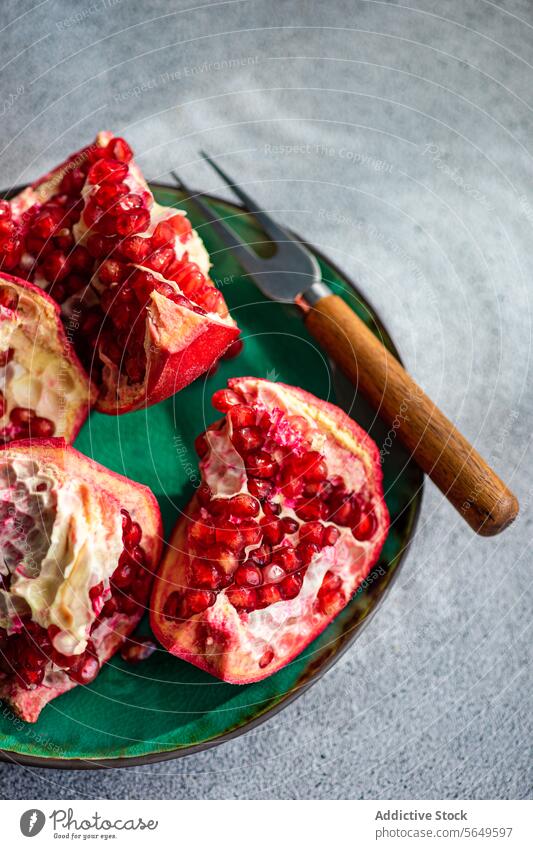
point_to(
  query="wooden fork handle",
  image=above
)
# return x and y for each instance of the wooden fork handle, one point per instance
(440, 450)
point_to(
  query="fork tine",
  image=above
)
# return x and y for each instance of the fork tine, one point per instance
(276, 233)
(246, 256)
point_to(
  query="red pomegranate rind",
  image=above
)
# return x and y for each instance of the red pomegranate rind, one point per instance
(45, 391)
(91, 234)
(94, 545)
(289, 520)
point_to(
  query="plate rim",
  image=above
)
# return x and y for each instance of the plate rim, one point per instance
(12, 757)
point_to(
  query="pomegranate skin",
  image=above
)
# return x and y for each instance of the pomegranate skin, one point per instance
(174, 352)
(46, 321)
(119, 493)
(242, 646)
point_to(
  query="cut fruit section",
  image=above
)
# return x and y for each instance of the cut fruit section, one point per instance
(133, 275)
(288, 520)
(44, 390)
(78, 548)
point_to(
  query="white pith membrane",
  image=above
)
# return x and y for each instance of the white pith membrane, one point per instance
(119, 389)
(57, 539)
(273, 629)
(38, 375)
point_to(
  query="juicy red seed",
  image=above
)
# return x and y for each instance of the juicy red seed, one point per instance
(310, 509)
(244, 506)
(41, 427)
(242, 598)
(330, 603)
(56, 266)
(247, 439)
(269, 594)
(81, 260)
(330, 535)
(205, 575)
(72, 182)
(132, 535)
(230, 537)
(306, 551)
(261, 489)
(107, 196)
(291, 585)
(21, 415)
(261, 465)
(273, 573)
(330, 582)
(182, 227)
(365, 527)
(261, 555)
(111, 272)
(251, 532)
(163, 235)
(248, 575)
(288, 559)
(313, 466)
(86, 670)
(234, 350)
(196, 601)
(30, 678)
(107, 171)
(201, 534)
(5, 210)
(6, 357)
(133, 221)
(224, 556)
(241, 416)
(312, 532)
(272, 530)
(119, 149)
(290, 526)
(125, 571)
(159, 259)
(201, 445)
(98, 246)
(223, 399)
(135, 248)
(204, 494)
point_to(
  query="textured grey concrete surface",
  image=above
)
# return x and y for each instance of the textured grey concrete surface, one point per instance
(397, 138)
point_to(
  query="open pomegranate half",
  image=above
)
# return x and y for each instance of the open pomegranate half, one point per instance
(288, 520)
(78, 547)
(44, 390)
(133, 275)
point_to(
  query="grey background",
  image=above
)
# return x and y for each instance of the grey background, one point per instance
(415, 176)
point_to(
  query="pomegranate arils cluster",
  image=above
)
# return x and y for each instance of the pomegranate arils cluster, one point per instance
(256, 546)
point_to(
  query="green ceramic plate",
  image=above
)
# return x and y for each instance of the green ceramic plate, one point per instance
(164, 707)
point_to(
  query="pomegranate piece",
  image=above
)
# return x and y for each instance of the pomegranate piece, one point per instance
(133, 274)
(283, 564)
(79, 546)
(45, 391)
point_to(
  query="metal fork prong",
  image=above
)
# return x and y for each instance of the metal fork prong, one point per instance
(246, 256)
(276, 233)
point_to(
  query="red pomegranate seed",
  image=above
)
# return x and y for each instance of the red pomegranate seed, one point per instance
(182, 227)
(133, 221)
(251, 532)
(98, 246)
(272, 530)
(269, 594)
(132, 535)
(111, 272)
(46, 223)
(365, 527)
(291, 585)
(247, 439)
(306, 551)
(231, 537)
(108, 195)
(242, 598)
(56, 265)
(266, 658)
(205, 575)
(330, 582)
(234, 350)
(312, 532)
(159, 259)
(261, 555)
(163, 235)
(244, 506)
(223, 399)
(72, 182)
(248, 575)
(224, 556)
(261, 465)
(313, 466)
(107, 171)
(290, 526)
(119, 149)
(201, 534)
(196, 601)
(6, 357)
(330, 535)
(273, 573)
(261, 489)
(86, 670)
(21, 415)
(135, 248)
(241, 416)
(204, 494)
(310, 510)
(287, 558)
(110, 608)
(41, 427)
